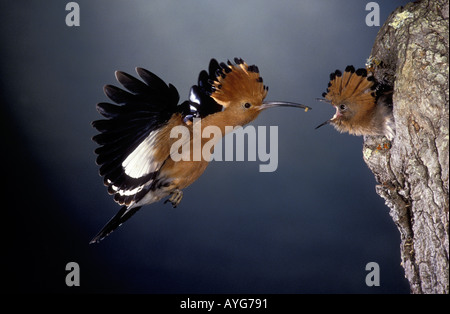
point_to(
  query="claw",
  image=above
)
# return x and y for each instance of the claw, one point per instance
(175, 198)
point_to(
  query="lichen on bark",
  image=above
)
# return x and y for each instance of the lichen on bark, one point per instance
(411, 53)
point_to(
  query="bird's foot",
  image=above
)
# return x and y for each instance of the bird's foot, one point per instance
(175, 198)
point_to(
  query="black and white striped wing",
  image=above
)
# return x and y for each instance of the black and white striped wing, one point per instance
(127, 138)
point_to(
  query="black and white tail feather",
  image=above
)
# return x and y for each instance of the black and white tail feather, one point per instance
(126, 154)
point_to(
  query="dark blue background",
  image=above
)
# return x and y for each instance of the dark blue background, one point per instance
(309, 227)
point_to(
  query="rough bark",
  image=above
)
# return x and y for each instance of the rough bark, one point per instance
(411, 52)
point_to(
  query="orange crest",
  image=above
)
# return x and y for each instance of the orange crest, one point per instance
(352, 87)
(356, 97)
(238, 82)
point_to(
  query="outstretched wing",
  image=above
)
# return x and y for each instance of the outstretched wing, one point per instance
(126, 156)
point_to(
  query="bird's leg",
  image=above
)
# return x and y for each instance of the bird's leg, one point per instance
(175, 198)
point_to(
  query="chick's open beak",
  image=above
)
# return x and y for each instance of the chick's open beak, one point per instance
(322, 124)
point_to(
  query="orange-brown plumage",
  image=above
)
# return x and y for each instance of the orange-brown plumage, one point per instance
(136, 152)
(239, 89)
(363, 107)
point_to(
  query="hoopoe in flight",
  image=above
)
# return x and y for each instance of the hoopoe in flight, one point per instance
(135, 143)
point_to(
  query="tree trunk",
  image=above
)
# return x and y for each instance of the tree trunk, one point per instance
(411, 52)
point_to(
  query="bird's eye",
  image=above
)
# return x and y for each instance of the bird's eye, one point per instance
(342, 107)
(247, 105)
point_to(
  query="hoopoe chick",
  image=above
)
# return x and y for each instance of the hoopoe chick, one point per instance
(135, 153)
(363, 107)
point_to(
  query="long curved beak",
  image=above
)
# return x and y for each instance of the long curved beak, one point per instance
(272, 104)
